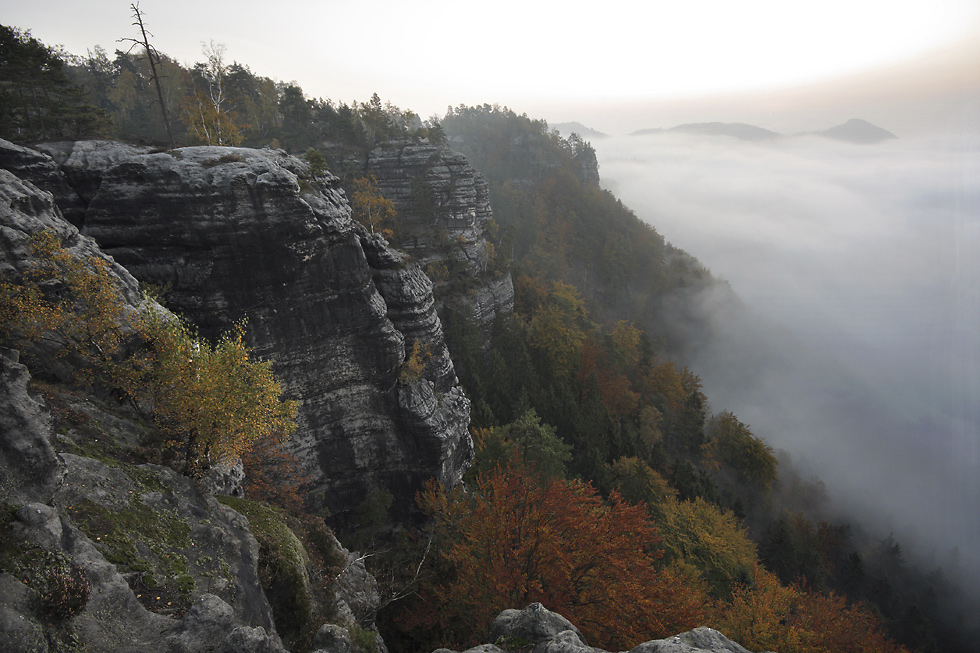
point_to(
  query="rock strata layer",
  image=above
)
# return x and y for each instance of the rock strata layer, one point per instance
(445, 219)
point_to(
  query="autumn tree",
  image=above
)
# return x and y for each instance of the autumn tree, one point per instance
(417, 359)
(765, 615)
(559, 326)
(639, 484)
(215, 399)
(707, 540)
(69, 304)
(626, 339)
(518, 538)
(371, 208)
(733, 444)
(206, 114)
(272, 473)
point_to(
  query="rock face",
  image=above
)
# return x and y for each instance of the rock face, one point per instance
(543, 631)
(445, 219)
(42, 171)
(26, 211)
(78, 556)
(29, 469)
(239, 233)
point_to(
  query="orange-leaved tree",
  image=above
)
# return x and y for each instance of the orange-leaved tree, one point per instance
(519, 538)
(769, 616)
(71, 303)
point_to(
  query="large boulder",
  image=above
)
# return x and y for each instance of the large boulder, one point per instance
(535, 625)
(699, 640)
(537, 629)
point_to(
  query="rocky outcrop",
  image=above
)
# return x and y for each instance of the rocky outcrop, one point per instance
(543, 631)
(236, 233)
(26, 211)
(151, 543)
(114, 556)
(232, 233)
(29, 469)
(42, 171)
(84, 162)
(445, 222)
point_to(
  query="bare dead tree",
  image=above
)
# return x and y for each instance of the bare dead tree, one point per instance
(154, 58)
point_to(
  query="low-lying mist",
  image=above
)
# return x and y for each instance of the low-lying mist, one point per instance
(858, 349)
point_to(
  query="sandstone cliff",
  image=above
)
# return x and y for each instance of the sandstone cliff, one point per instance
(239, 233)
(100, 555)
(445, 222)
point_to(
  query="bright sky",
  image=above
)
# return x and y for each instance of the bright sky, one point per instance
(428, 54)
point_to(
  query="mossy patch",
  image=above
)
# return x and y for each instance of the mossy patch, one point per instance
(146, 544)
(223, 159)
(284, 568)
(363, 640)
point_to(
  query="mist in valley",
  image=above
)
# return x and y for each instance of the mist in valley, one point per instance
(856, 347)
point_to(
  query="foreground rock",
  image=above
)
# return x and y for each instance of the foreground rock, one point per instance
(30, 471)
(543, 631)
(101, 555)
(115, 557)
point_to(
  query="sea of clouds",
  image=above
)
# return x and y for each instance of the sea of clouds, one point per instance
(858, 349)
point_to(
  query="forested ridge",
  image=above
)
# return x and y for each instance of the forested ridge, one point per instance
(603, 477)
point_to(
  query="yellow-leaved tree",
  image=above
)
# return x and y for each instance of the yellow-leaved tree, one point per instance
(69, 304)
(216, 400)
(371, 208)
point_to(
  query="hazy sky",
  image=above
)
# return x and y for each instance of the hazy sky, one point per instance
(558, 60)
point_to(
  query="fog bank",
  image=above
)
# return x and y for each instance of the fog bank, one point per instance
(859, 267)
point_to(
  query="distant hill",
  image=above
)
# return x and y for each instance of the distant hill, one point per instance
(647, 132)
(856, 130)
(735, 129)
(567, 128)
